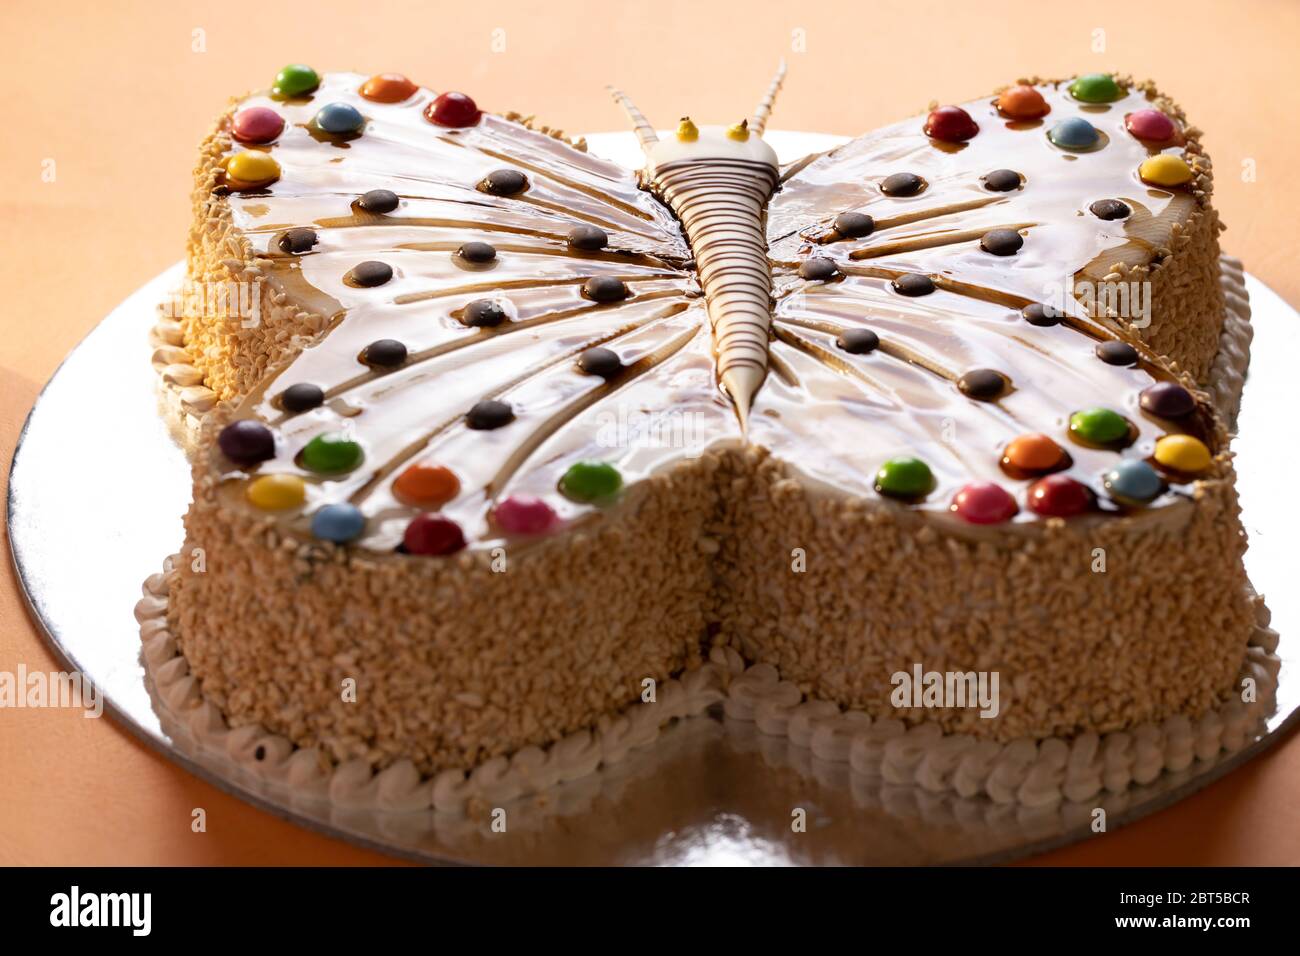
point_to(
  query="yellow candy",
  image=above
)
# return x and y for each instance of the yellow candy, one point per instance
(1165, 170)
(277, 492)
(1183, 453)
(687, 132)
(253, 167)
(739, 132)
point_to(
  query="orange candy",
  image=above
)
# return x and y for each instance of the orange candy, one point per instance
(1022, 103)
(1033, 453)
(426, 486)
(387, 88)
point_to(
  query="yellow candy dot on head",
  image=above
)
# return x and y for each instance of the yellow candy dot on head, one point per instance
(1183, 453)
(687, 132)
(276, 492)
(1165, 170)
(739, 132)
(254, 167)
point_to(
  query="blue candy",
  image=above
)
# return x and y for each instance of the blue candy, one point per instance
(1073, 133)
(1133, 480)
(339, 118)
(339, 523)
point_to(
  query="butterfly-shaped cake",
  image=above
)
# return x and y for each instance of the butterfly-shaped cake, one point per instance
(513, 440)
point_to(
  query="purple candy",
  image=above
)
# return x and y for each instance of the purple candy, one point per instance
(247, 442)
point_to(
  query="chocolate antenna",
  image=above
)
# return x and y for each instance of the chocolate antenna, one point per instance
(644, 131)
(764, 109)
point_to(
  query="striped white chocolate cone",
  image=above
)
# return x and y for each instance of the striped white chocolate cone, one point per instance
(719, 187)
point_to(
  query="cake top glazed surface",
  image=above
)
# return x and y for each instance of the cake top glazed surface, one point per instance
(518, 331)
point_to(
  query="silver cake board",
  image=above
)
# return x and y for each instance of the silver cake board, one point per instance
(709, 791)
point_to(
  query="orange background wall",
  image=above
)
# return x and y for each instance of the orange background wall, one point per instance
(118, 96)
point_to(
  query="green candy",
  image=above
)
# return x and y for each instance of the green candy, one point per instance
(296, 80)
(590, 481)
(1099, 426)
(1096, 88)
(331, 453)
(904, 478)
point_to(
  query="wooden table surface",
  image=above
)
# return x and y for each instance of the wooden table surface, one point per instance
(113, 98)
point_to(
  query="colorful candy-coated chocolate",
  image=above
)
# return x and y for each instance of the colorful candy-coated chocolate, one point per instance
(1152, 126)
(1073, 133)
(453, 109)
(339, 118)
(1183, 453)
(426, 486)
(1022, 103)
(276, 492)
(524, 514)
(339, 522)
(302, 397)
(1133, 481)
(1034, 453)
(1165, 170)
(1096, 88)
(1167, 400)
(252, 167)
(257, 124)
(983, 502)
(1099, 426)
(590, 481)
(950, 124)
(296, 80)
(1057, 496)
(331, 453)
(432, 534)
(387, 88)
(904, 477)
(246, 442)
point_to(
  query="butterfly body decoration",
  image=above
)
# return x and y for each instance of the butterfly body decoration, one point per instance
(518, 330)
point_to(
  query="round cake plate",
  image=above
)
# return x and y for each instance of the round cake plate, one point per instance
(709, 791)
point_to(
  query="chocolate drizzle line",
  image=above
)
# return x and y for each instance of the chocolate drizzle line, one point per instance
(491, 332)
(930, 242)
(583, 401)
(562, 361)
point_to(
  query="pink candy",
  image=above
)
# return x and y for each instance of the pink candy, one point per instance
(1150, 125)
(983, 502)
(524, 514)
(257, 124)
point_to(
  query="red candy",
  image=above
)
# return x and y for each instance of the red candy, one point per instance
(524, 514)
(983, 502)
(950, 124)
(257, 124)
(1057, 496)
(1151, 125)
(453, 109)
(432, 534)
